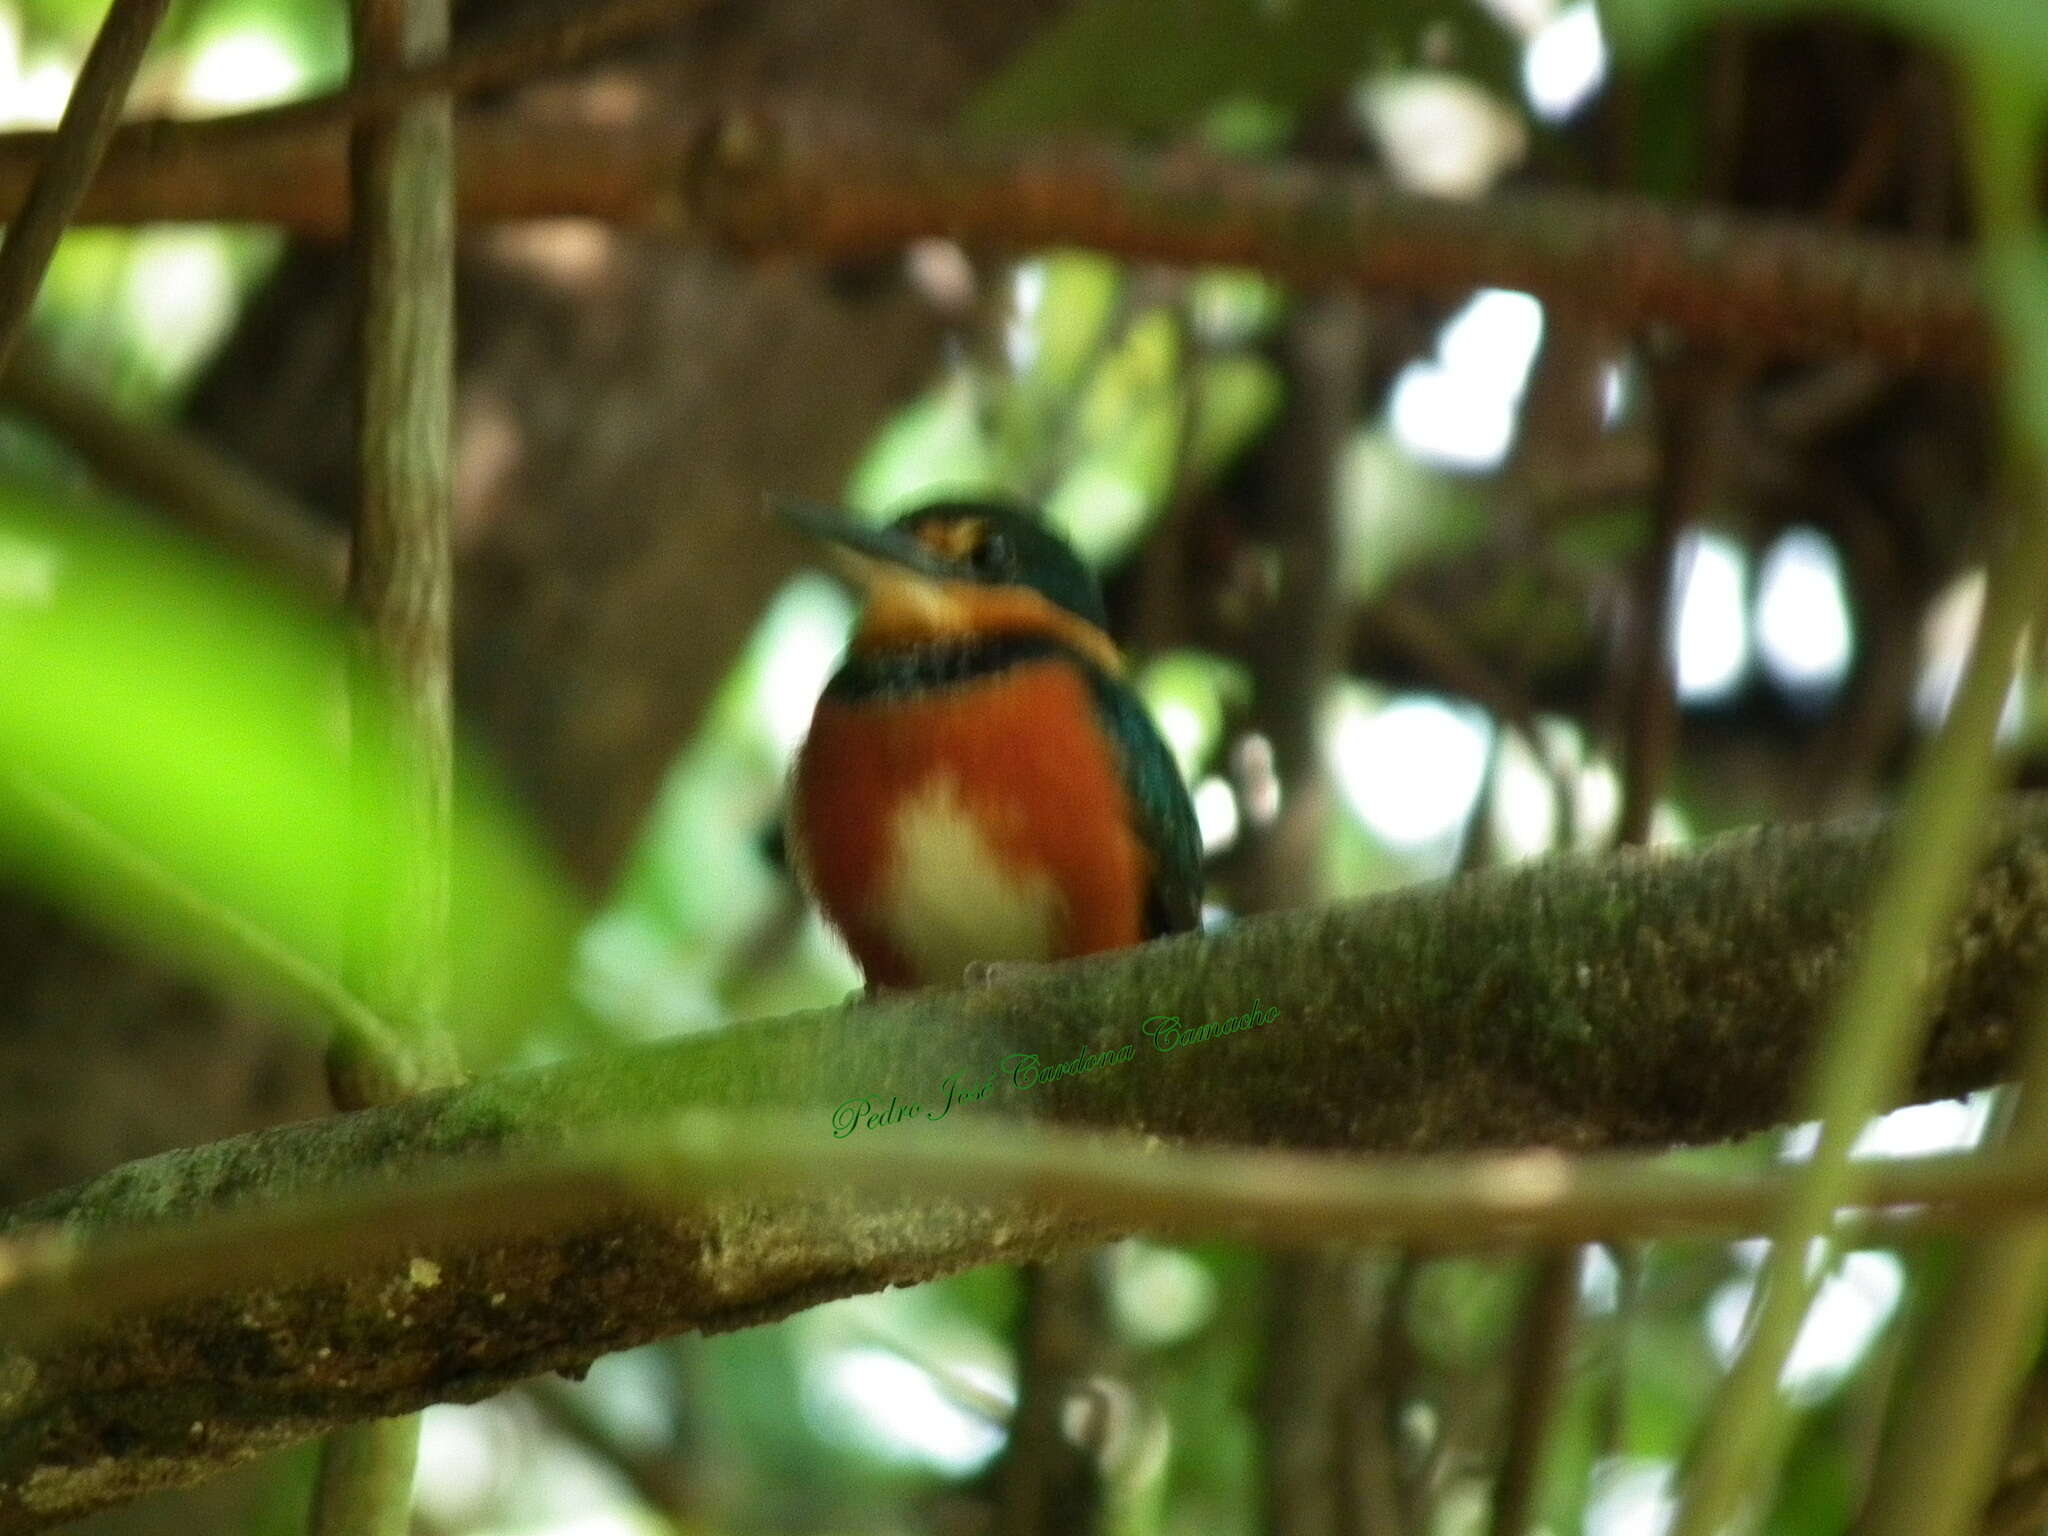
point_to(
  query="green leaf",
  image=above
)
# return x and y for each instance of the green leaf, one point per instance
(174, 735)
(1076, 304)
(1190, 693)
(2017, 279)
(1465, 1311)
(1158, 66)
(2014, 34)
(1236, 399)
(1398, 512)
(935, 445)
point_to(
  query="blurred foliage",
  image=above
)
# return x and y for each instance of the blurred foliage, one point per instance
(1976, 30)
(194, 718)
(176, 749)
(1112, 395)
(1203, 55)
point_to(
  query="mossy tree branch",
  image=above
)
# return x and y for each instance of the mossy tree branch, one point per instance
(1640, 1001)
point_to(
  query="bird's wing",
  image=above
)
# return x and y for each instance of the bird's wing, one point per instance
(1166, 817)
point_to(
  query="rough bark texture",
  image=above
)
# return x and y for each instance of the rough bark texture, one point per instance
(774, 180)
(1642, 1000)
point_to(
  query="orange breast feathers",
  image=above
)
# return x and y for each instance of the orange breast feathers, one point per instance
(982, 822)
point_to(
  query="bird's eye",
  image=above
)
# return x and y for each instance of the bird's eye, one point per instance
(993, 557)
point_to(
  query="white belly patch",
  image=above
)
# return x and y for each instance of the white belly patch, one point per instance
(948, 901)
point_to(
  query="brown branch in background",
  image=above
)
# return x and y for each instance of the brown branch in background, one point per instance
(1402, 1372)
(176, 474)
(1050, 1480)
(1696, 397)
(1696, 402)
(774, 179)
(1383, 1493)
(1320, 1305)
(1323, 1312)
(1542, 1370)
(64, 169)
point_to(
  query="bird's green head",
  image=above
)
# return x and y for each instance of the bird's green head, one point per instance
(955, 568)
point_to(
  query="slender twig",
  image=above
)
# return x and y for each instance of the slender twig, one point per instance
(507, 57)
(400, 578)
(776, 178)
(991, 1405)
(364, 1487)
(73, 155)
(1876, 1025)
(1318, 1310)
(278, 963)
(399, 592)
(1436, 650)
(654, 1475)
(54, 1280)
(1696, 399)
(1940, 1472)
(176, 474)
(1542, 1367)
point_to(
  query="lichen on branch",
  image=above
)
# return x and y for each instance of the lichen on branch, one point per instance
(1639, 1001)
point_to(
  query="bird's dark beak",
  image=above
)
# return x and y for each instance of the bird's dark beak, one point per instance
(893, 551)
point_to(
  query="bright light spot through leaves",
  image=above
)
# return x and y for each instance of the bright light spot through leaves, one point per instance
(1854, 1304)
(1411, 770)
(1216, 813)
(1630, 1496)
(1918, 1130)
(1565, 63)
(1460, 410)
(1711, 643)
(175, 736)
(179, 291)
(1802, 617)
(876, 1398)
(1441, 133)
(245, 68)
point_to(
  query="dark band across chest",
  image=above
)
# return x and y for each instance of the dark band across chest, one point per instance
(906, 671)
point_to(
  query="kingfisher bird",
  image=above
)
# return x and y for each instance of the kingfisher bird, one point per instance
(979, 784)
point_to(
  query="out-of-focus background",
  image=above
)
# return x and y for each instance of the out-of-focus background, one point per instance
(1394, 575)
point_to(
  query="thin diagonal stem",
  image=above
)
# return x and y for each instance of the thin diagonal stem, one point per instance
(74, 154)
(1876, 1027)
(1939, 1473)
